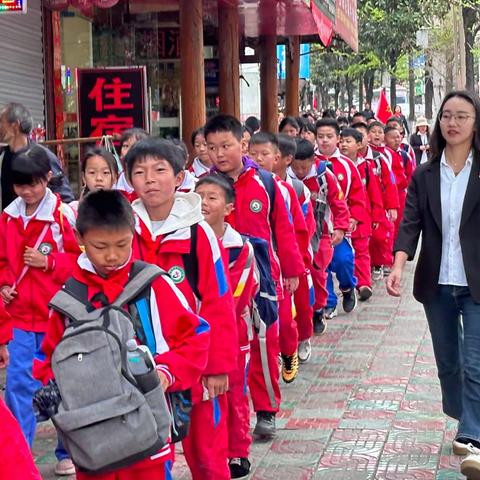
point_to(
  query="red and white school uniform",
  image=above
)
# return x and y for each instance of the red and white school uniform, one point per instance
(244, 284)
(165, 244)
(199, 169)
(189, 182)
(337, 217)
(304, 296)
(362, 234)
(381, 243)
(288, 327)
(254, 215)
(181, 338)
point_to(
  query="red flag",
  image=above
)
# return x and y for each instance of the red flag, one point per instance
(384, 112)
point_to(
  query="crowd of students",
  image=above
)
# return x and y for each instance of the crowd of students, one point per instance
(250, 235)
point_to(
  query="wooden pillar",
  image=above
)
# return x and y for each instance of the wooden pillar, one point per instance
(292, 60)
(192, 67)
(229, 58)
(268, 83)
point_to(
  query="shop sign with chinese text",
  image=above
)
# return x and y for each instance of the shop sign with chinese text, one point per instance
(19, 6)
(110, 100)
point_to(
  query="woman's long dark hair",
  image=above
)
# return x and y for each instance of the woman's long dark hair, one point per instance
(438, 142)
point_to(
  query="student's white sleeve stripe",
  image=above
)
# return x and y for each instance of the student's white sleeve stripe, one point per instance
(212, 240)
(160, 341)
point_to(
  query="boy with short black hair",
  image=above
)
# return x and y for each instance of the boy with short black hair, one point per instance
(343, 263)
(351, 143)
(179, 338)
(218, 198)
(264, 150)
(260, 212)
(171, 233)
(37, 251)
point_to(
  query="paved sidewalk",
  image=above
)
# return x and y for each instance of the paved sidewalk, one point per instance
(367, 405)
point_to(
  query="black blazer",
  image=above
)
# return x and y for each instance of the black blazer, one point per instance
(423, 214)
(416, 143)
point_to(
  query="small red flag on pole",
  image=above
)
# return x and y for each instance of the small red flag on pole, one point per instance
(384, 112)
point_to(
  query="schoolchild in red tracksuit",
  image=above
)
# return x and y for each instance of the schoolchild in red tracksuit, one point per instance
(410, 162)
(393, 142)
(218, 198)
(304, 296)
(171, 233)
(37, 250)
(350, 145)
(343, 264)
(255, 215)
(181, 338)
(331, 229)
(263, 148)
(17, 461)
(201, 164)
(381, 245)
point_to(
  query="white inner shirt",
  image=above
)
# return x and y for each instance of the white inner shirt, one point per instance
(452, 194)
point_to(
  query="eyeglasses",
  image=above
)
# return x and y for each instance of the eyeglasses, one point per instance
(460, 118)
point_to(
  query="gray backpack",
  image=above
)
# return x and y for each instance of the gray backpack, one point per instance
(104, 420)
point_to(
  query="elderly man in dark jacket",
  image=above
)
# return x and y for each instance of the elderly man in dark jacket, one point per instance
(15, 126)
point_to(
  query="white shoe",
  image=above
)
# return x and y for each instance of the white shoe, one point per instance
(65, 467)
(470, 466)
(304, 351)
(460, 448)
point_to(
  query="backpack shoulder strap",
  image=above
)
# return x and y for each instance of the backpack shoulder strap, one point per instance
(298, 186)
(69, 305)
(190, 261)
(142, 275)
(269, 184)
(404, 156)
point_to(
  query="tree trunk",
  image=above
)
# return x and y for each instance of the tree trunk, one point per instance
(337, 93)
(428, 88)
(411, 88)
(360, 94)
(469, 20)
(349, 88)
(368, 80)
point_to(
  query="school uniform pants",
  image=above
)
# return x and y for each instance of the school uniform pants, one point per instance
(239, 438)
(288, 327)
(381, 244)
(319, 272)
(343, 265)
(206, 445)
(363, 267)
(144, 470)
(304, 299)
(264, 373)
(20, 386)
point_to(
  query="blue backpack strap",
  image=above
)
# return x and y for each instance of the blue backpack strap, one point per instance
(404, 155)
(269, 184)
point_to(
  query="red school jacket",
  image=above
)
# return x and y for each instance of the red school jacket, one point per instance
(167, 250)
(396, 164)
(29, 310)
(374, 208)
(384, 173)
(253, 215)
(351, 185)
(182, 338)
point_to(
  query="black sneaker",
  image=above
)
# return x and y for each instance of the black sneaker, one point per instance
(319, 322)
(265, 426)
(239, 467)
(364, 293)
(349, 301)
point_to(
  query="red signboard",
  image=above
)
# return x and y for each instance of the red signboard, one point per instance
(110, 100)
(324, 25)
(13, 6)
(346, 22)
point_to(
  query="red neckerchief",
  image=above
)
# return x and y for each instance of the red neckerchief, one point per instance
(111, 286)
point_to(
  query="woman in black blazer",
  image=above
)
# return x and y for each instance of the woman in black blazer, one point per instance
(443, 205)
(420, 140)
